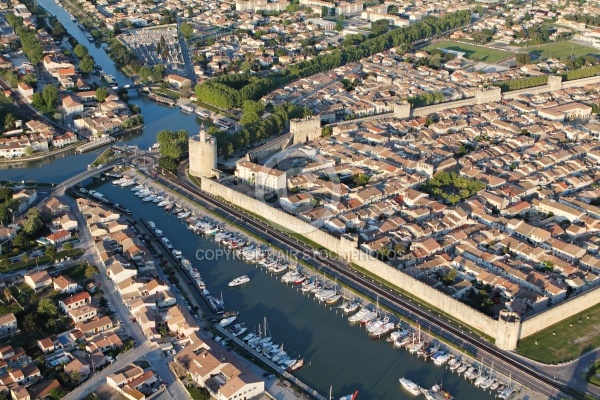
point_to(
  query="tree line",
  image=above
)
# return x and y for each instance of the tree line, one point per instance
(522, 83)
(255, 128)
(233, 90)
(586, 19)
(581, 73)
(425, 99)
(29, 42)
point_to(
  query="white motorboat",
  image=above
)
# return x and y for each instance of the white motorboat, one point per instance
(359, 315)
(226, 321)
(410, 386)
(239, 281)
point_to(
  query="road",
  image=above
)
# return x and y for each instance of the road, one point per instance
(26, 110)
(186, 55)
(143, 347)
(504, 362)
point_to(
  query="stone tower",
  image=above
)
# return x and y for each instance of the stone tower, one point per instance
(305, 129)
(203, 154)
(509, 330)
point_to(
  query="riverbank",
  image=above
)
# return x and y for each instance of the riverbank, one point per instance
(41, 156)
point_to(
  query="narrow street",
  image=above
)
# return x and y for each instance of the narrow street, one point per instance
(142, 348)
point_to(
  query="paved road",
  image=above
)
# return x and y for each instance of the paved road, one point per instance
(186, 55)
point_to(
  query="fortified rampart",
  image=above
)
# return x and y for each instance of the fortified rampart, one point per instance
(559, 312)
(499, 330)
(278, 144)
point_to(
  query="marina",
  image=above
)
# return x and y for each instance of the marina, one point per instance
(322, 331)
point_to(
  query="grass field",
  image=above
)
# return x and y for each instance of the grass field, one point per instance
(566, 340)
(561, 50)
(472, 52)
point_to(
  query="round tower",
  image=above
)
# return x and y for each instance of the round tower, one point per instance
(203, 154)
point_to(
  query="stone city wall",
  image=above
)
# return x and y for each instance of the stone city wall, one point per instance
(560, 312)
(348, 250)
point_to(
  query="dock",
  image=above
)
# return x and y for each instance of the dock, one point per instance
(94, 144)
(310, 391)
(161, 99)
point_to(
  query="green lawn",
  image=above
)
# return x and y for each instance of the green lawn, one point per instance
(566, 340)
(561, 50)
(481, 53)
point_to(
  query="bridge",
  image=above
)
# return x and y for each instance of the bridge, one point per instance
(136, 86)
(70, 182)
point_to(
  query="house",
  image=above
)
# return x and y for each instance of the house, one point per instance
(26, 198)
(64, 284)
(265, 178)
(71, 105)
(79, 366)
(46, 345)
(38, 280)
(43, 390)
(8, 325)
(124, 376)
(178, 81)
(82, 314)
(75, 301)
(103, 343)
(95, 326)
(58, 237)
(118, 273)
(25, 90)
(224, 376)
(64, 140)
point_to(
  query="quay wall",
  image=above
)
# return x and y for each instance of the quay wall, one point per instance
(560, 312)
(347, 249)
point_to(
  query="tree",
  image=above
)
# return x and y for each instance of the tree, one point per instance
(326, 131)
(47, 308)
(86, 65)
(173, 144)
(80, 50)
(187, 30)
(58, 393)
(68, 246)
(145, 73)
(168, 163)
(198, 393)
(90, 271)
(450, 277)
(28, 151)
(360, 179)
(50, 251)
(523, 59)
(29, 324)
(5, 193)
(25, 258)
(101, 94)
(339, 24)
(50, 97)
(9, 121)
(32, 222)
(210, 41)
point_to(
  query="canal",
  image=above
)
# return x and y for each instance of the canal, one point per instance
(156, 118)
(338, 354)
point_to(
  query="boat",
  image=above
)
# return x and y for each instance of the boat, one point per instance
(462, 369)
(437, 393)
(350, 306)
(352, 396)
(410, 386)
(333, 299)
(383, 330)
(239, 281)
(202, 113)
(187, 108)
(226, 321)
(359, 315)
(297, 365)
